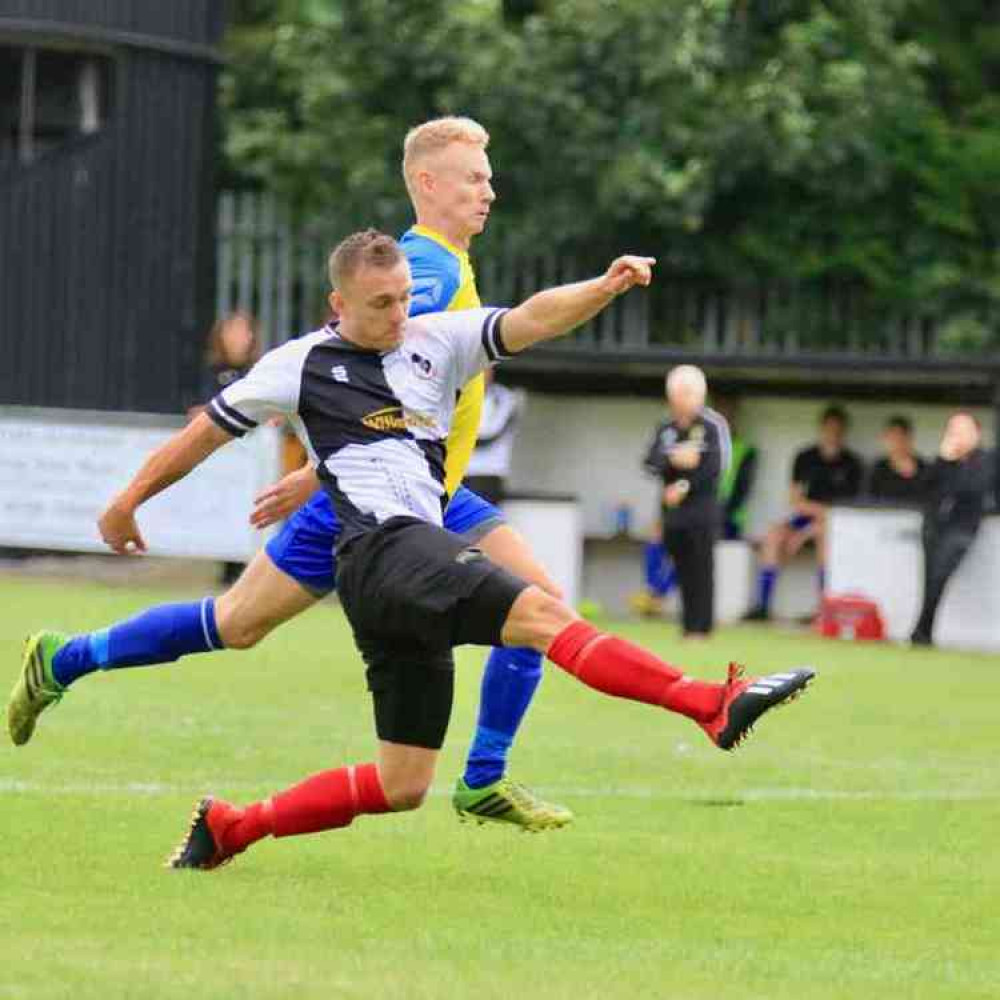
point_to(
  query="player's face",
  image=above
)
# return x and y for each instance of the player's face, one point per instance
(461, 188)
(373, 306)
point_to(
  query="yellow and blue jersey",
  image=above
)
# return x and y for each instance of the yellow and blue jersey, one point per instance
(443, 280)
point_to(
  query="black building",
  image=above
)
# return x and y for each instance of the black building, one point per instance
(106, 200)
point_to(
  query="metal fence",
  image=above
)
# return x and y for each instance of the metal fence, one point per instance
(276, 271)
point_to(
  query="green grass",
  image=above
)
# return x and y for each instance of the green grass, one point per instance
(848, 850)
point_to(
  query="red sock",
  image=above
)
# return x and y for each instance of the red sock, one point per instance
(620, 668)
(325, 801)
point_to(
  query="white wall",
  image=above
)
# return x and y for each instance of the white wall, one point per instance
(594, 446)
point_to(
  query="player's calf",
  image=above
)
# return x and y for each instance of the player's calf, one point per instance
(615, 666)
(330, 800)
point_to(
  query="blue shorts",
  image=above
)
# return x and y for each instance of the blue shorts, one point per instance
(799, 521)
(304, 548)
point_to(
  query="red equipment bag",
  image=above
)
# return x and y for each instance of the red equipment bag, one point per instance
(849, 616)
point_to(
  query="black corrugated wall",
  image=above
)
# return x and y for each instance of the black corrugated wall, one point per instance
(107, 245)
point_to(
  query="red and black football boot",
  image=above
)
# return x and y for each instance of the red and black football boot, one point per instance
(202, 847)
(745, 700)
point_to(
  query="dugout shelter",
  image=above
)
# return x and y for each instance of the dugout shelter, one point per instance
(107, 235)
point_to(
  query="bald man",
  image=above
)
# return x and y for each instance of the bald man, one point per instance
(689, 452)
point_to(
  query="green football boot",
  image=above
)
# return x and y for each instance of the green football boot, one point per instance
(507, 801)
(36, 688)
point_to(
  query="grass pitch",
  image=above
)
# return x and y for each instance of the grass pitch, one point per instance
(848, 850)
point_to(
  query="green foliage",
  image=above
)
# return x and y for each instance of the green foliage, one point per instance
(792, 140)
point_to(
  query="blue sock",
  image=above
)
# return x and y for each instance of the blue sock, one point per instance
(768, 578)
(509, 682)
(821, 580)
(658, 570)
(159, 635)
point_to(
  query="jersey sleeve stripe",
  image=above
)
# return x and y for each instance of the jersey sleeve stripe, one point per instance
(229, 419)
(492, 342)
(725, 440)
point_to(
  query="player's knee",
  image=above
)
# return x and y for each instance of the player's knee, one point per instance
(551, 588)
(536, 619)
(237, 628)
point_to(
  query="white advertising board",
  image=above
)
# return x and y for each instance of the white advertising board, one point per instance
(877, 552)
(59, 468)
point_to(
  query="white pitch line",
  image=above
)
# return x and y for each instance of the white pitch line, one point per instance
(726, 796)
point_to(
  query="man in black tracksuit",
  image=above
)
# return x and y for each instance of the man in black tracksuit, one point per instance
(689, 452)
(958, 484)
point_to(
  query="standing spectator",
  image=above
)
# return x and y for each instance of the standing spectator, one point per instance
(489, 466)
(658, 573)
(901, 476)
(737, 480)
(823, 474)
(689, 452)
(958, 483)
(232, 350)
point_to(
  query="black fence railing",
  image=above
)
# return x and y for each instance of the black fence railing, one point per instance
(273, 269)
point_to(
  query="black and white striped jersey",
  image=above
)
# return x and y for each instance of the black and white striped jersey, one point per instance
(375, 424)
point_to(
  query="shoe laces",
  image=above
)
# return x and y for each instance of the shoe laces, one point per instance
(522, 797)
(736, 672)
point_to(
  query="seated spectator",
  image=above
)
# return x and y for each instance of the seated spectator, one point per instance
(901, 476)
(823, 474)
(958, 485)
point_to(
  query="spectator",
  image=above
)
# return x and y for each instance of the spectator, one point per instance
(231, 351)
(689, 452)
(737, 480)
(489, 466)
(958, 484)
(823, 474)
(735, 483)
(901, 476)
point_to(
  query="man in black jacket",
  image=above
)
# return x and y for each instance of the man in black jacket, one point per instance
(959, 483)
(689, 452)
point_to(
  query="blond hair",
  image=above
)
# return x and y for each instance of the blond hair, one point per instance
(433, 136)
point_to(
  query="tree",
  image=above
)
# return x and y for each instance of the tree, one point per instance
(786, 140)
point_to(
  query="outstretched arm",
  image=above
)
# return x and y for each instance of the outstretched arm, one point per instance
(556, 311)
(170, 462)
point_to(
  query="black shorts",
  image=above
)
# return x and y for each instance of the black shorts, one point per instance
(411, 694)
(414, 585)
(412, 591)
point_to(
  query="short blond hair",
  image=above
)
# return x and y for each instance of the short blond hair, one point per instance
(433, 136)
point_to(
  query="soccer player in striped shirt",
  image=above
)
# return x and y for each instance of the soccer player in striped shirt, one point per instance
(373, 398)
(448, 176)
